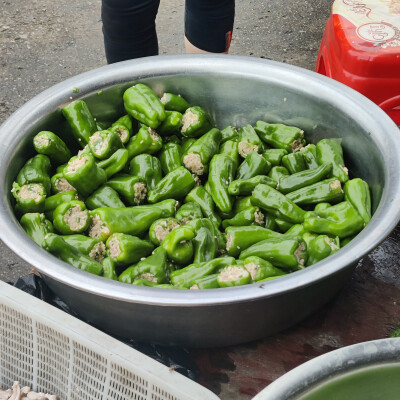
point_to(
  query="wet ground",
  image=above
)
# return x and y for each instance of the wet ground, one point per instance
(44, 42)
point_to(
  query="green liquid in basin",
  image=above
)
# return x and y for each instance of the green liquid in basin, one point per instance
(378, 382)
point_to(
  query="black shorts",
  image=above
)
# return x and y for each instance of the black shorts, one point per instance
(130, 32)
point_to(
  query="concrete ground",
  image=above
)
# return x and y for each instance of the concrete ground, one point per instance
(43, 42)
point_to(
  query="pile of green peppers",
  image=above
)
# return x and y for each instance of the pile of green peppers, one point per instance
(163, 198)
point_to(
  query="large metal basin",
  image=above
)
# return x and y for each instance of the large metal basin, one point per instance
(237, 90)
(367, 371)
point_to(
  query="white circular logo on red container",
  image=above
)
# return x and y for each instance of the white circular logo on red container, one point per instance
(376, 32)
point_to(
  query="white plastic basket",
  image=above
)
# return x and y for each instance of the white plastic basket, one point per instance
(53, 352)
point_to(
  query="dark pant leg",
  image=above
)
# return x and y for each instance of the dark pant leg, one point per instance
(129, 29)
(209, 24)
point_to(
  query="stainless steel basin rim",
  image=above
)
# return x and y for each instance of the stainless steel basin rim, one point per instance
(383, 131)
(308, 375)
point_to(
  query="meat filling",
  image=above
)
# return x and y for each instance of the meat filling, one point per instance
(253, 269)
(41, 140)
(98, 228)
(98, 252)
(297, 144)
(122, 132)
(99, 143)
(258, 217)
(115, 249)
(245, 148)
(233, 273)
(193, 163)
(74, 165)
(62, 185)
(76, 218)
(32, 191)
(148, 277)
(298, 253)
(188, 119)
(163, 229)
(140, 191)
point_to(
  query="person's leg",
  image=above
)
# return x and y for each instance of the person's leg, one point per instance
(129, 29)
(209, 25)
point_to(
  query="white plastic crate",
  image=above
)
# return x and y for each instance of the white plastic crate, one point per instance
(53, 352)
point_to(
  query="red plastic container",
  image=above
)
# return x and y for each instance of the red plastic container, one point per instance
(361, 48)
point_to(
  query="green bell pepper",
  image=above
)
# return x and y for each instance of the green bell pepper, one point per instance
(174, 102)
(260, 269)
(176, 185)
(274, 156)
(147, 168)
(330, 151)
(320, 192)
(36, 170)
(310, 156)
(279, 136)
(49, 144)
(170, 157)
(130, 220)
(71, 217)
(248, 141)
(186, 143)
(36, 226)
(126, 249)
(204, 245)
(357, 193)
(103, 144)
(188, 212)
(84, 174)
(81, 121)
(123, 128)
(59, 248)
(248, 216)
(222, 171)
(125, 276)
(287, 253)
(160, 228)
(91, 247)
(230, 149)
(178, 244)
(277, 204)
(196, 121)
(104, 196)
(229, 133)
(253, 165)
(321, 247)
(59, 184)
(30, 197)
(197, 158)
(245, 187)
(171, 124)
(109, 268)
(302, 179)
(339, 220)
(132, 189)
(115, 163)
(239, 238)
(152, 268)
(233, 275)
(269, 221)
(207, 282)
(142, 103)
(146, 141)
(187, 276)
(52, 202)
(294, 162)
(278, 172)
